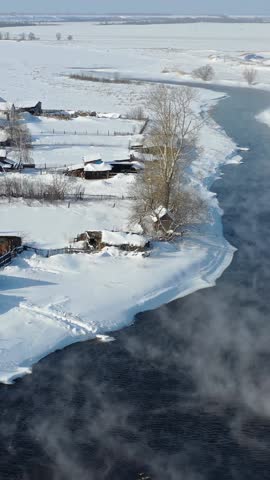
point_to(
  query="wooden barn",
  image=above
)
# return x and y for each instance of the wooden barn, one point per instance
(36, 110)
(97, 170)
(9, 243)
(75, 170)
(125, 166)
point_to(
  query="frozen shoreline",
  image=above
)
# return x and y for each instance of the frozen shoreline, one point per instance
(47, 304)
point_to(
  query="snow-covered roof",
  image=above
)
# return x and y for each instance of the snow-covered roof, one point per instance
(122, 238)
(3, 135)
(97, 167)
(108, 115)
(78, 166)
(3, 153)
(138, 165)
(160, 212)
(92, 157)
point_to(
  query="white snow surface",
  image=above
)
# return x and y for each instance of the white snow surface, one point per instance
(48, 303)
(138, 51)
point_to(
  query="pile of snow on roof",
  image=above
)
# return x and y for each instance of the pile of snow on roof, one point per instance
(97, 167)
(122, 238)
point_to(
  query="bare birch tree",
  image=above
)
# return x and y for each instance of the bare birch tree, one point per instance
(205, 73)
(172, 143)
(20, 138)
(250, 75)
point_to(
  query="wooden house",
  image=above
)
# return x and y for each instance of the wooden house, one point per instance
(162, 218)
(97, 170)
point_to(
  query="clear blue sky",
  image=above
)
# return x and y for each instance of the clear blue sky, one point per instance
(236, 7)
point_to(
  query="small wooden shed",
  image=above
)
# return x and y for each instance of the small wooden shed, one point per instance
(9, 243)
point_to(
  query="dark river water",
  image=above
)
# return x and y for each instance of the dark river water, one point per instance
(184, 393)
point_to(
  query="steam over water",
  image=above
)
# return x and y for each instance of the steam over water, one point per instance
(185, 392)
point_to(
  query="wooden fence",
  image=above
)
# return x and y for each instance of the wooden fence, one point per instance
(8, 257)
(42, 252)
(107, 133)
(51, 252)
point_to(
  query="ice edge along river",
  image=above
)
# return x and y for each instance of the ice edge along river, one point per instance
(41, 323)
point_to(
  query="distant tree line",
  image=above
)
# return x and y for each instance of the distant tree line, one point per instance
(29, 36)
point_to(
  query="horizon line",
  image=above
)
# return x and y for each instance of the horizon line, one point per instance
(130, 14)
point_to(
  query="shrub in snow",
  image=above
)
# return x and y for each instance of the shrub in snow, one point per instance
(52, 188)
(172, 138)
(205, 73)
(136, 113)
(250, 75)
(31, 36)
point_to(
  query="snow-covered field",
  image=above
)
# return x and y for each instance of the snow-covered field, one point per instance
(38, 70)
(66, 142)
(47, 303)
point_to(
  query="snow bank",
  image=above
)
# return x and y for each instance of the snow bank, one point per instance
(48, 303)
(108, 115)
(264, 117)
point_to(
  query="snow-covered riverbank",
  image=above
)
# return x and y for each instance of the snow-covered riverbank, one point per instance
(50, 303)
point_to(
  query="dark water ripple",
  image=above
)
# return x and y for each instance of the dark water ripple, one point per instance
(184, 393)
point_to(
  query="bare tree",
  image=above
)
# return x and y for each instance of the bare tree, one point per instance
(22, 37)
(31, 36)
(70, 38)
(250, 75)
(1, 36)
(205, 73)
(136, 113)
(20, 138)
(7, 36)
(171, 141)
(58, 36)
(54, 188)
